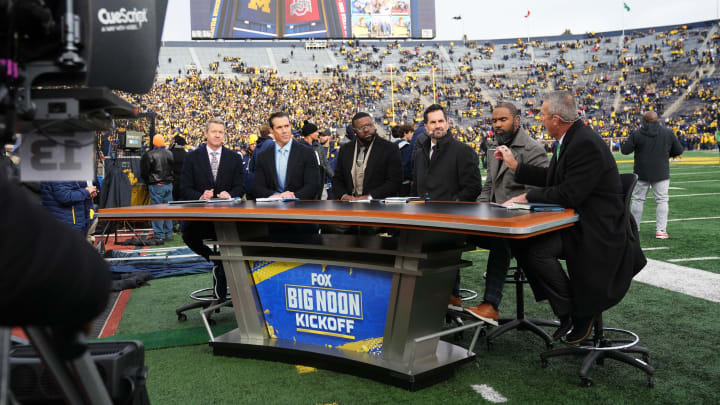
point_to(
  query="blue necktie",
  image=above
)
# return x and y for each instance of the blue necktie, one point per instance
(281, 168)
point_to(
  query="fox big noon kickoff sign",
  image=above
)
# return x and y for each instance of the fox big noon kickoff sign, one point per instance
(333, 306)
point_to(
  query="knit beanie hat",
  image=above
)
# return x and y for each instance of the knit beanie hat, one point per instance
(308, 128)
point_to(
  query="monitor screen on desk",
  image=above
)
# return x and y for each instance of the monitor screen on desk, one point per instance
(133, 140)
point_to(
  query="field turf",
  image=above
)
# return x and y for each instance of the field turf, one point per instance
(681, 332)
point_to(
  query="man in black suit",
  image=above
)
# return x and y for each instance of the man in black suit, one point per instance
(288, 169)
(445, 169)
(369, 166)
(602, 251)
(210, 171)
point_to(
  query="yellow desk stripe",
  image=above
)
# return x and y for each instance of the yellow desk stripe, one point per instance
(319, 332)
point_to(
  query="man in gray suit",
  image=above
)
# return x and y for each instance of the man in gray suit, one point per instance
(499, 187)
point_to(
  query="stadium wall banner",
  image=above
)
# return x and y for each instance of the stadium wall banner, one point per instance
(248, 19)
(334, 306)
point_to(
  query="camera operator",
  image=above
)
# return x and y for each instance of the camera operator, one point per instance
(50, 275)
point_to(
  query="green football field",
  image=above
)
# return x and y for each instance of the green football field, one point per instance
(680, 329)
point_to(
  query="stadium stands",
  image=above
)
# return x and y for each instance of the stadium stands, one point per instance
(669, 69)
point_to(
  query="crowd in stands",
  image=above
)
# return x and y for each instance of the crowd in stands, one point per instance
(661, 71)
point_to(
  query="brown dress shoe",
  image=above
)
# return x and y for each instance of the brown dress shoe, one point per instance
(484, 312)
(455, 303)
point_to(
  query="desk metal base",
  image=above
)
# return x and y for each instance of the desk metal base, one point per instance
(427, 371)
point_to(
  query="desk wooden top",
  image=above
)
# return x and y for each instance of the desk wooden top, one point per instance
(463, 217)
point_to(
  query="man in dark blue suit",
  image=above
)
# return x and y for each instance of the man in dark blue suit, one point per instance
(287, 169)
(210, 171)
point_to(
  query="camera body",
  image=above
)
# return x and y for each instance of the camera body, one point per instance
(110, 44)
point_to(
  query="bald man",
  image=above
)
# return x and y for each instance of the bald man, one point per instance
(653, 145)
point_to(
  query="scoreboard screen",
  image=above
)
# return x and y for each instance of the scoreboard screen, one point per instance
(270, 19)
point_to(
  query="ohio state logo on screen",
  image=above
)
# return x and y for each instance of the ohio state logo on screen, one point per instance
(300, 7)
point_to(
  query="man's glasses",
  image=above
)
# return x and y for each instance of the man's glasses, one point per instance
(364, 127)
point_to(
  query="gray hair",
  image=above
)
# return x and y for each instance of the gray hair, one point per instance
(214, 120)
(562, 104)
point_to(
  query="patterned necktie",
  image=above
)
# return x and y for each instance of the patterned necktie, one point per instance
(214, 163)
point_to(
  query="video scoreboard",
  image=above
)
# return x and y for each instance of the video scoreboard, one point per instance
(272, 19)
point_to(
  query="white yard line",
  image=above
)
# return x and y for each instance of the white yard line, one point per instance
(698, 181)
(693, 195)
(681, 220)
(489, 394)
(694, 259)
(108, 318)
(693, 282)
(673, 174)
(655, 248)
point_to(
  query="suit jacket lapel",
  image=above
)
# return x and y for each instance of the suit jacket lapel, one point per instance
(224, 161)
(293, 160)
(556, 161)
(551, 170)
(348, 162)
(374, 152)
(205, 164)
(501, 168)
(273, 169)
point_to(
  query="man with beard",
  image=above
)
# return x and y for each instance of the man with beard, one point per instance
(499, 187)
(328, 153)
(445, 169)
(368, 167)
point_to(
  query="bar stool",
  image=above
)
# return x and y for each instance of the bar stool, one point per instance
(520, 322)
(600, 347)
(202, 299)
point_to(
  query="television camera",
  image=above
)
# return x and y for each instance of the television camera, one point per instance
(59, 62)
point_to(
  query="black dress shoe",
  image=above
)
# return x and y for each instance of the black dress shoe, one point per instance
(564, 328)
(581, 330)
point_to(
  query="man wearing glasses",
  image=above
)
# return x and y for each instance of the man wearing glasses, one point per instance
(368, 167)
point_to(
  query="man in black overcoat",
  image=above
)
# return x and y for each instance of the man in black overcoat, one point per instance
(602, 251)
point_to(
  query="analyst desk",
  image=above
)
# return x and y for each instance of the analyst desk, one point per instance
(362, 304)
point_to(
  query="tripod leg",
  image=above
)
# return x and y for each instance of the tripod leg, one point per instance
(86, 379)
(127, 223)
(4, 365)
